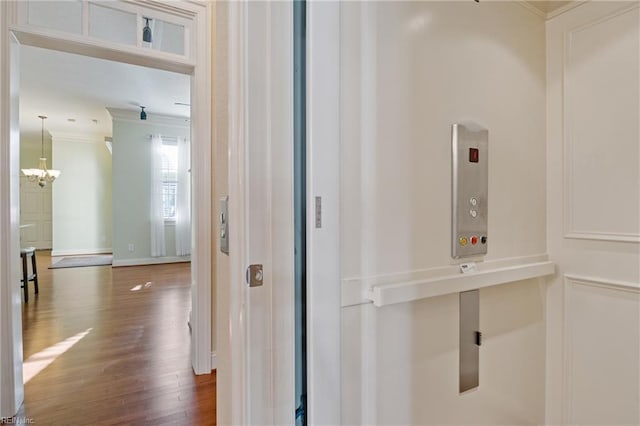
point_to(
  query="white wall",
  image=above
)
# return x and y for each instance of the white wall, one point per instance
(131, 188)
(81, 195)
(410, 70)
(593, 200)
(35, 202)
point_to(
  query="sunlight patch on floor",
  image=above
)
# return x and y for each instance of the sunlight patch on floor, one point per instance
(140, 286)
(41, 360)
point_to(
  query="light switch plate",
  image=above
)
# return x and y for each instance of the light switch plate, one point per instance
(224, 224)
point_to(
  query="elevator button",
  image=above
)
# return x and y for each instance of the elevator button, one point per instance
(473, 201)
(474, 240)
(473, 213)
(463, 241)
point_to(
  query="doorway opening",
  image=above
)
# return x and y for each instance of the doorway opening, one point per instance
(19, 29)
(103, 201)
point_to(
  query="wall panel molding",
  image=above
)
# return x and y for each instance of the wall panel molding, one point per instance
(617, 290)
(604, 162)
(603, 283)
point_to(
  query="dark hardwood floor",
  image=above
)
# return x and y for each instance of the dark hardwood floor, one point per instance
(112, 346)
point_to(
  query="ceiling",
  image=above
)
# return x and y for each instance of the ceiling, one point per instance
(67, 87)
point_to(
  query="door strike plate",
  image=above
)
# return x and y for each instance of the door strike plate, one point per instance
(254, 275)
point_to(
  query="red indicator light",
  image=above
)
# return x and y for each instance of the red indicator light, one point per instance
(474, 240)
(473, 155)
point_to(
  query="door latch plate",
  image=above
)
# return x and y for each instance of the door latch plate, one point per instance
(255, 275)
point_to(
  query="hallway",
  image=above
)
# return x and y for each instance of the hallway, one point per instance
(107, 346)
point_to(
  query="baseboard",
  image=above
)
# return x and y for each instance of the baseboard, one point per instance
(214, 361)
(81, 252)
(151, 261)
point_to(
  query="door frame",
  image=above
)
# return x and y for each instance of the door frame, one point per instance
(323, 244)
(11, 387)
(231, 336)
(324, 326)
(260, 382)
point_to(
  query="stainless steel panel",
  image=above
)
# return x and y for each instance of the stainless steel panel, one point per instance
(469, 340)
(469, 149)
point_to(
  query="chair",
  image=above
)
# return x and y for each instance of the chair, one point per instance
(26, 277)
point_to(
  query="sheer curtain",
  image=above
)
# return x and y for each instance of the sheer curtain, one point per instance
(183, 199)
(158, 248)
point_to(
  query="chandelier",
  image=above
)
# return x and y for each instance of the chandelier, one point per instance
(41, 175)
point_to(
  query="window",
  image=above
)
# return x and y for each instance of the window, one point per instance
(169, 163)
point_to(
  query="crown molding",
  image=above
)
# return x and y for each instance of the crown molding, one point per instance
(566, 8)
(77, 137)
(133, 116)
(531, 7)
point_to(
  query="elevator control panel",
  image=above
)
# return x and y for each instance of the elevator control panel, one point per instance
(469, 149)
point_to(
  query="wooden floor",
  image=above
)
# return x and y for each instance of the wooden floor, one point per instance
(113, 348)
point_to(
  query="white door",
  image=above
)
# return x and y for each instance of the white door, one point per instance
(11, 386)
(268, 212)
(264, 206)
(261, 209)
(35, 215)
(593, 202)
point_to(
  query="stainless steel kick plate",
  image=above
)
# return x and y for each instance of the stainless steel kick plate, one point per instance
(470, 340)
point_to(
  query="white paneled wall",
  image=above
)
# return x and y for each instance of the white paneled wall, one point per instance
(35, 202)
(408, 71)
(601, 380)
(593, 216)
(600, 127)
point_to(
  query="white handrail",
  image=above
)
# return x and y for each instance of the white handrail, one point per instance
(407, 291)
